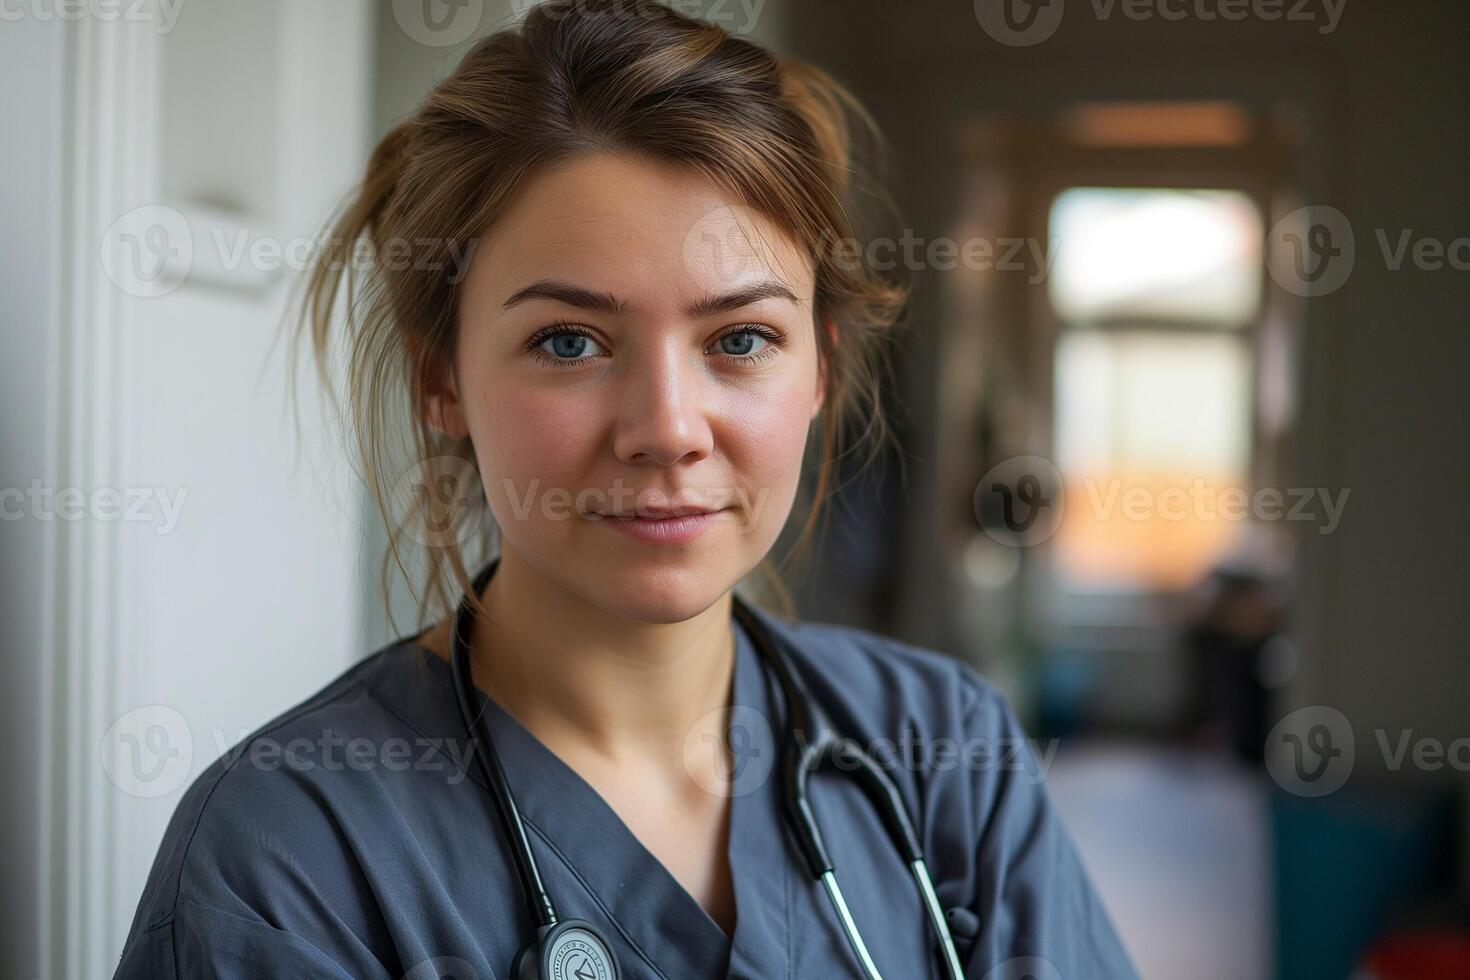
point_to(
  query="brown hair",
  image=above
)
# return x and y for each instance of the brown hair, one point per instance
(778, 136)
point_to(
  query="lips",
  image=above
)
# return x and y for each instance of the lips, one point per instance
(659, 514)
(675, 528)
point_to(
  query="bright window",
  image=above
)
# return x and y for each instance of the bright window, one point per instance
(1153, 380)
(1189, 255)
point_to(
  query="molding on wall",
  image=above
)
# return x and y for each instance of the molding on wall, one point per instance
(113, 79)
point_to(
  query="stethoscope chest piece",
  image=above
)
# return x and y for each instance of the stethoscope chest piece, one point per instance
(573, 949)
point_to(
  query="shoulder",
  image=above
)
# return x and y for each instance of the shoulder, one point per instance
(880, 682)
(975, 785)
(264, 818)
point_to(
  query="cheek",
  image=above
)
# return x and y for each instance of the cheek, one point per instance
(530, 443)
(779, 423)
(766, 439)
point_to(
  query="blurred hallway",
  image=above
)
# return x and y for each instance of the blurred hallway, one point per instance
(1179, 845)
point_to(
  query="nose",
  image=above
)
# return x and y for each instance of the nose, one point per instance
(662, 417)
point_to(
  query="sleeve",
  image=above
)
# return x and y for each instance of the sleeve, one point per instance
(211, 945)
(256, 877)
(1039, 915)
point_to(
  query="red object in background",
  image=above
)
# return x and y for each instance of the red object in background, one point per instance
(1419, 956)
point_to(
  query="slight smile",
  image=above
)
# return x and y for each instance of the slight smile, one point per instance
(669, 528)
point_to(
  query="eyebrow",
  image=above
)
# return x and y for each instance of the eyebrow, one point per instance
(602, 302)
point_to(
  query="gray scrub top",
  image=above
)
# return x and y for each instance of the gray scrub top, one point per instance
(353, 836)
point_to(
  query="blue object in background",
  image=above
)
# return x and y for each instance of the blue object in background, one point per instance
(1066, 688)
(1344, 863)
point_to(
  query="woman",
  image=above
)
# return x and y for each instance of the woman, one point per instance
(631, 361)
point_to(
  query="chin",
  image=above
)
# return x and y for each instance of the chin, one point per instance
(646, 594)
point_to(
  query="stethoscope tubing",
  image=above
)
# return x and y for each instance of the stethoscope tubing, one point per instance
(805, 756)
(537, 899)
(810, 744)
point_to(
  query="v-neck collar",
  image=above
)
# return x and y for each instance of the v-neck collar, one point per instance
(625, 887)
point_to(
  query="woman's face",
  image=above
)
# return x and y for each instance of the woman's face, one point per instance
(630, 342)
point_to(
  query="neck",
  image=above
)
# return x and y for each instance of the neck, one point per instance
(584, 679)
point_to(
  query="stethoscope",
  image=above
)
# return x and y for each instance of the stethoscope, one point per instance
(574, 949)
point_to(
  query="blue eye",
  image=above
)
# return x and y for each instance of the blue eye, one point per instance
(566, 345)
(749, 343)
(569, 344)
(744, 341)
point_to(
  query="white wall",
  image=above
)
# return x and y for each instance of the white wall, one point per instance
(183, 632)
(30, 192)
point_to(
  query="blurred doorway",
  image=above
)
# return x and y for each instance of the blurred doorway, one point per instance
(1136, 389)
(1136, 345)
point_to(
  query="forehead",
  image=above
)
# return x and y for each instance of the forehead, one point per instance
(655, 234)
